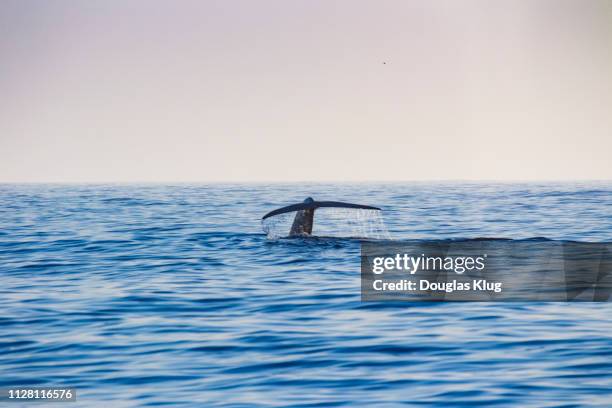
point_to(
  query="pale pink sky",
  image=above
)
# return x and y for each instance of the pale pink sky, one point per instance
(255, 90)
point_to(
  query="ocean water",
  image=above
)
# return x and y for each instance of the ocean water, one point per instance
(152, 295)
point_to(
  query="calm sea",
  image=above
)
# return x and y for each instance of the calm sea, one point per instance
(149, 295)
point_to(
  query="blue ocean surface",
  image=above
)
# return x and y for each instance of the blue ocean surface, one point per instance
(153, 295)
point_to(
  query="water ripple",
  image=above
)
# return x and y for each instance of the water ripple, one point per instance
(172, 295)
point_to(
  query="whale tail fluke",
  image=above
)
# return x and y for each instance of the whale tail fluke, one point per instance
(309, 203)
(304, 218)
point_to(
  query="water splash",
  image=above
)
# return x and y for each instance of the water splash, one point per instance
(333, 222)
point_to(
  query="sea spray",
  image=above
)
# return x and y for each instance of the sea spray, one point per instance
(333, 222)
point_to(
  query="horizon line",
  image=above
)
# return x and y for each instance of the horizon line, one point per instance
(382, 181)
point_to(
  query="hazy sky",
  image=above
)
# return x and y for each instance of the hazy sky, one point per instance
(305, 90)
